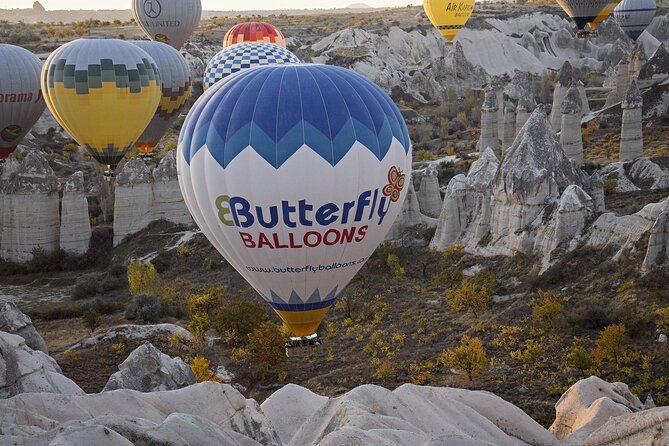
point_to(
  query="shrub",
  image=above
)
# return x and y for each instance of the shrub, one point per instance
(470, 297)
(580, 358)
(610, 186)
(85, 288)
(662, 323)
(144, 308)
(265, 348)
(421, 372)
(143, 279)
(91, 319)
(212, 262)
(469, 357)
(548, 312)
(199, 324)
(239, 317)
(200, 367)
(203, 303)
(611, 344)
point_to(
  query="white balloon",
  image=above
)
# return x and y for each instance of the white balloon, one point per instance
(168, 21)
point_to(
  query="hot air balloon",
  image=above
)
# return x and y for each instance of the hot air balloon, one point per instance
(244, 56)
(253, 32)
(168, 21)
(295, 173)
(176, 88)
(21, 101)
(583, 12)
(607, 11)
(104, 92)
(634, 16)
(448, 17)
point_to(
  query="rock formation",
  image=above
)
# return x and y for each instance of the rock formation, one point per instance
(303, 403)
(409, 216)
(148, 370)
(465, 215)
(31, 217)
(168, 203)
(13, 321)
(563, 81)
(24, 370)
(143, 196)
(75, 224)
(585, 105)
(631, 135)
(534, 172)
(570, 135)
(204, 414)
(622, 78)
(509, 125)
(589, 404)
(658, 244)
(526, 106)
(429, 194)
(655, 70)
(489, 125)
(637, 60)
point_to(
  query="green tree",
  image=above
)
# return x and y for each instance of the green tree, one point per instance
(238, 318)
(199, 324)
(143, 279)
(468, 357)
(662, 323)
(265, 348)
(91, 319)
(612, 343)
(470, 296)
(144, 308)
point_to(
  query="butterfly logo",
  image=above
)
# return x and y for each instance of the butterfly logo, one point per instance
(394, 188)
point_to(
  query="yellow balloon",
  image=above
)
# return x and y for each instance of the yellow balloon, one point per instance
(448, 16)
(607, 11)
(103, 92)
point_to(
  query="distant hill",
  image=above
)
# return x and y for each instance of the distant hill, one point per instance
(358, 6)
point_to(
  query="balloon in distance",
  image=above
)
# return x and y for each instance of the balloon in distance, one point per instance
(449, 17)
(168, 21)
(583, 12)
(295, 173)
(103, 92)
(253, 32)
(635, 16)
(242, 57)
(176, 87)
(21, 101)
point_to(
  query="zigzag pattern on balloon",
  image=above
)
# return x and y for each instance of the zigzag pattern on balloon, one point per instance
(296, 303)
(351, 109)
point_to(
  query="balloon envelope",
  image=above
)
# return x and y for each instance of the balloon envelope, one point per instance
(175, 79)
(168, 21)
(634, 16)
(103, 92)
(253, 32)
(21, 101)
(583, 12)
(245, 56)
(295, 173)
(607, 11)
(448, 17)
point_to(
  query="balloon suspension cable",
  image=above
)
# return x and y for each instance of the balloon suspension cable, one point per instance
(300, 347)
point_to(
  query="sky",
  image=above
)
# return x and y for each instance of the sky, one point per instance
(209, 5)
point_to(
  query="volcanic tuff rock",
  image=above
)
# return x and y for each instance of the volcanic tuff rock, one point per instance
(570, 134)
(24, 370)
(168, 203)
(429, 194)
(631, 133)
(587, 405)
(489, 124)
(30, 209)
(640, 174)
(509, 127)
(75, 224)
(148, 370)
(206, 414)
(13, 321)
(289, 407)
(658, 243)
(656, 69)
(524, 110)
(563, 81)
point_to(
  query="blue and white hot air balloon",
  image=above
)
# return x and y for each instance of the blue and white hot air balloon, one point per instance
(244, 56)
(634, 16)
(295, 173)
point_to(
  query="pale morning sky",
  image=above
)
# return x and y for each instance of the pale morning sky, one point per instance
(210, 5)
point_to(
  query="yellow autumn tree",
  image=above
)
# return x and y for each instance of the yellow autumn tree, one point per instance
(470, 296)
(143, 279)
(469, 357)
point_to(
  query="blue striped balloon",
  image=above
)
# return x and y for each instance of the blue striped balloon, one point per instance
(634, 16)
(243, 56)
